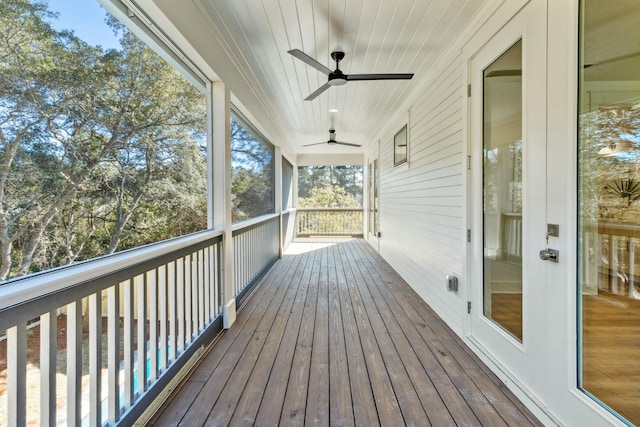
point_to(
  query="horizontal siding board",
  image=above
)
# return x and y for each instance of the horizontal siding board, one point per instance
(422, 204)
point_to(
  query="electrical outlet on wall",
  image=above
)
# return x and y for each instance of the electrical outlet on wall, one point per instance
(452, 283)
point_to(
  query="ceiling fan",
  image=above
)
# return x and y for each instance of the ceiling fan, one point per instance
(337, 77)
(332, 140)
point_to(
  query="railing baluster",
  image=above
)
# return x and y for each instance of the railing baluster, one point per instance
(613, 256)
(201, 294)
(141, 362)
(194, 294)
(128, 342)
(95, 359)
(181, 305)
(164, 316)
(17, 374)
(632, 267)
(113, 352)
(74, 362)
(152, 305)
(218, 278)
(173, 311)
(207, 283)
(188, 299)
(48, 359)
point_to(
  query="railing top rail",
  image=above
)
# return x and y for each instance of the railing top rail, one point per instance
(617, 229)
(248, 223)
(28, 288)
(330, 209)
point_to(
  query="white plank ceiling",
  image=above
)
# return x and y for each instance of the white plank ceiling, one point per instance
(378, 36)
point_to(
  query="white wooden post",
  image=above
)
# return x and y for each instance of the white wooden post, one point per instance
(17, 374)
(221, 158)
(277, 155)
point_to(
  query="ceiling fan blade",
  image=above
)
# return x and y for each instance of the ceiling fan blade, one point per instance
(317, 143)
(318, 92)
(379, 76)
(346, 143)
(614, 59)
(310, 61)
(504, 73)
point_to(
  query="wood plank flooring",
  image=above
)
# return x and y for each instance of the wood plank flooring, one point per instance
(333, 336)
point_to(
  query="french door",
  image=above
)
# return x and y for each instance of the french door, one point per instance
(507, 184)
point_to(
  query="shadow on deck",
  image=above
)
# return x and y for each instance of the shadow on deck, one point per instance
(333, 336)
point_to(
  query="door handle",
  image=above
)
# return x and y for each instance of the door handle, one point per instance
(550, 255)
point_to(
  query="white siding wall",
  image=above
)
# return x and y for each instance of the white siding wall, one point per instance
(422, 203)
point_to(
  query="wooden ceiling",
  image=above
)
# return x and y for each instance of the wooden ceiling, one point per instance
(378, 36)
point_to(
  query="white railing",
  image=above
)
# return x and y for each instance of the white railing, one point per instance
(329, 222)
(256, 246)
(610, 261)
(125, 324)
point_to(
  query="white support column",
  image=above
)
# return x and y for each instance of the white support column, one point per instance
(221, 185)
(211, 214)
(277, 154)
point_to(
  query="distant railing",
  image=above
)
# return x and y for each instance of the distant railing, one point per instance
(131, 320)
(610, 258)
(329, 222)
(256, 245)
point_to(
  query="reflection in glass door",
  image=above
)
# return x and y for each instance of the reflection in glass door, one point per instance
(609, 205)
(502, 194)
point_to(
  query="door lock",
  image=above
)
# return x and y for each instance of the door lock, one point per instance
(549, 255)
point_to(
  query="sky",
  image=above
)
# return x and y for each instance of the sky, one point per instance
(86, 19)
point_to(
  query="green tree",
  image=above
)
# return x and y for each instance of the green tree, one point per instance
(92, 142)
(329, 197)
(252, 175)
(315, 184)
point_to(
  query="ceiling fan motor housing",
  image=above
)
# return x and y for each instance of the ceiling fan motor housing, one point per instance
(337, 78)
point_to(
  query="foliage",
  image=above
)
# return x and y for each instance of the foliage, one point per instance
(329, 197)
(330, 186)
(625, 188)
(252, 174)
(100, 150)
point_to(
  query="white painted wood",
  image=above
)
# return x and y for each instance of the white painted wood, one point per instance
(129, 302)
(247, 43)
(153, 303)
(17, 375)
(36, 286)
(201, 293)
(222, 182)
(188, 300)
(74, 362)
(141, 299)
(48, 358)
(526, 360)
(95, 359)
(113, 352)
(336, 158)
(181, 317)
(173, 311)
(163, 316)
(208, 266)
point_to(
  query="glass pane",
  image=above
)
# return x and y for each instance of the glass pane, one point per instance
(252, 173)
(609, 204)
(502, 183)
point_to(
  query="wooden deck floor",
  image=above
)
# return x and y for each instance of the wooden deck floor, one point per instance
(333, 336)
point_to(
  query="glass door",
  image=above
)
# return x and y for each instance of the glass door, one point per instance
(609, 206)
(508, 193)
